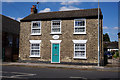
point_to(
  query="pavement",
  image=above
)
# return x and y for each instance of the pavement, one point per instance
(113, 62)
(34, 73)
(64, 66)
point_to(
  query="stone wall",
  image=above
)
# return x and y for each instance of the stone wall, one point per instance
(66, 46)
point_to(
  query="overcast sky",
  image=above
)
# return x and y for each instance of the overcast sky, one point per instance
(19, 10)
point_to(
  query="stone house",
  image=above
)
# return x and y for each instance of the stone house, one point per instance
(10, 38)
(61, 37)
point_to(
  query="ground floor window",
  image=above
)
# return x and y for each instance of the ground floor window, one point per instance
(80, 49)
(35, 48)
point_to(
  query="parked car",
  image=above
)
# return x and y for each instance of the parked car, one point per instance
(109, 54)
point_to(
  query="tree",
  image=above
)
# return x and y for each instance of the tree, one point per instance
(106, 37)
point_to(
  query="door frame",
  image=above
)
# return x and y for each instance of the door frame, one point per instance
(55, 42)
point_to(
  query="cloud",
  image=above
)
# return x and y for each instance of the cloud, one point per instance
(67, 3)
(75, 2)
(116, 28)
(105, 27)
(18, 19)
(64, 8)
(45, 10)
(11, 17)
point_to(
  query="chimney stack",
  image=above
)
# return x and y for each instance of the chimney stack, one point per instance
(33, 9)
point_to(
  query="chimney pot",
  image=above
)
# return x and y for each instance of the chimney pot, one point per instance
(33, 9)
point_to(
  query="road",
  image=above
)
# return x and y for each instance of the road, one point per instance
(27, 73)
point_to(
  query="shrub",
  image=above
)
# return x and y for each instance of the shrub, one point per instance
(116, 55)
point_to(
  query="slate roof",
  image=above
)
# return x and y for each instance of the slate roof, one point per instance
(83, 13)
(111, 45)
(10, 25)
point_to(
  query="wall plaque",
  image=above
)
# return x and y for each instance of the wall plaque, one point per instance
(55, 37)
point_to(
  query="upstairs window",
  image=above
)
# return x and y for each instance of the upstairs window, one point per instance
(80, 26)
(36, 28)
(56, 26)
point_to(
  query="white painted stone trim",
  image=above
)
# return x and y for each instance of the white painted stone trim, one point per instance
(79, 41)
(55, 41)
(35, 41)
(35, 34)
(34, 56)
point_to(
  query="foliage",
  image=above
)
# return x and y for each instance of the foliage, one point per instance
(116, 54)
(106, 37)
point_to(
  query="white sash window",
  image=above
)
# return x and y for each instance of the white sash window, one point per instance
(35, 28)
(80, 26)
(80, 49)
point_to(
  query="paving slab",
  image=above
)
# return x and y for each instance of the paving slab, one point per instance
(81, 67)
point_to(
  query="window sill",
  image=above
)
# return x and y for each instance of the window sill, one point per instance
(55, 33)
(34, 56)
(79, 33)
(35, 34)
(79, 57)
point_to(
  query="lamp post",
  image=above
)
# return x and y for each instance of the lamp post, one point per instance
(98, 38)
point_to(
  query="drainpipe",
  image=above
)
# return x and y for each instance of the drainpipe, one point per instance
(98, 38)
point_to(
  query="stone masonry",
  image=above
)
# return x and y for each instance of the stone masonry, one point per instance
(67, 45)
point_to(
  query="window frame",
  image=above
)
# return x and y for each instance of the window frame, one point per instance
(80, 42)
(52, 27)
(79, 26)
(35, 42)
(36, 28)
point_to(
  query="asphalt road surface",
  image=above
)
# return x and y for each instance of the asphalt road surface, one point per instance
(27, 73)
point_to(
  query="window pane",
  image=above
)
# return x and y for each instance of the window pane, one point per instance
(79, 50)
(79, 53)
(80, 29)
(56, 23)
(55, 26)
(55, 29)
(79, 47)
(35, 49)
(79, 23)
(36, 25)
(35, 30)
(35, 46)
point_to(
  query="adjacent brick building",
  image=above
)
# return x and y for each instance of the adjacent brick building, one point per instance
(10, 39)
(61, 37)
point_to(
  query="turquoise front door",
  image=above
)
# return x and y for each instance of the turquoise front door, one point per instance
(55, 53)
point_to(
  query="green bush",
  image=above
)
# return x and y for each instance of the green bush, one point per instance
(116, 55)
